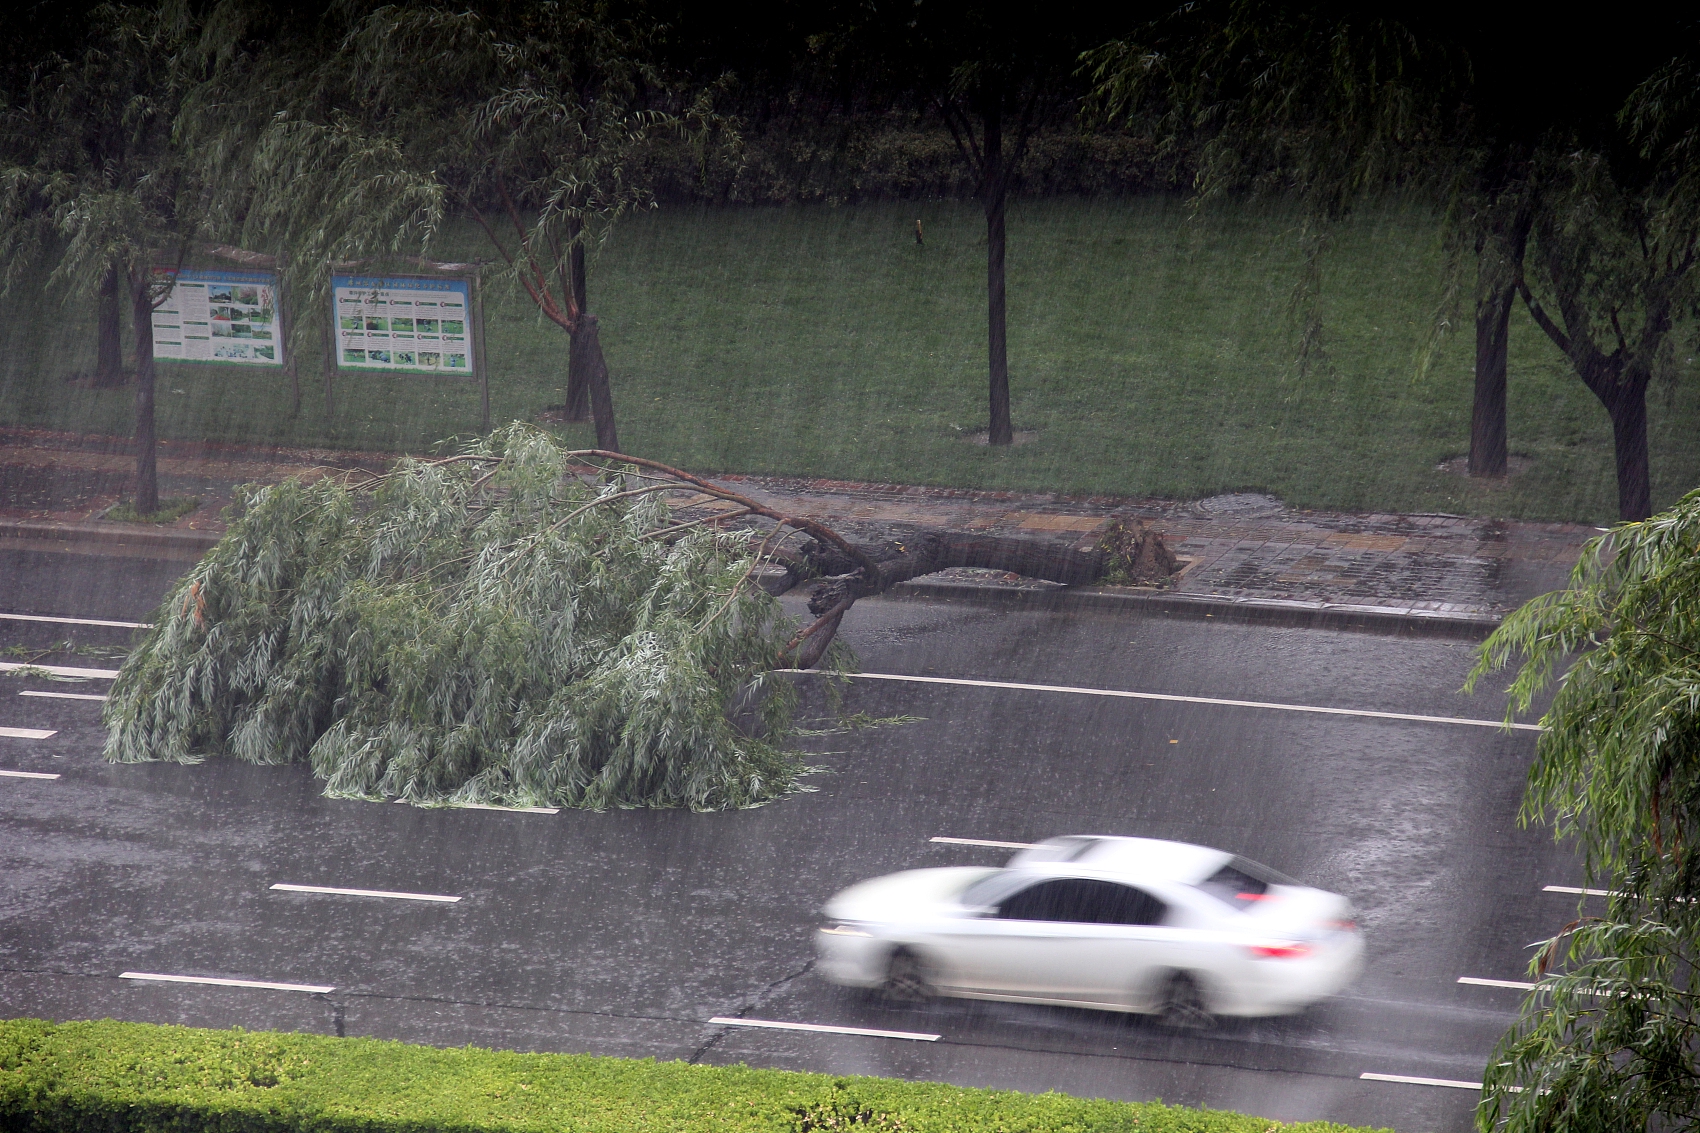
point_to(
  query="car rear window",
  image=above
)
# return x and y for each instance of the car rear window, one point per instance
(1069, 848)
(1243, 883)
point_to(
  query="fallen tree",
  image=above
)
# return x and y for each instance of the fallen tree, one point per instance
(518, 624)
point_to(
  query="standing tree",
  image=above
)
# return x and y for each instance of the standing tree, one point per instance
(1614, 254)
(357, 146)
(93, 183)
(993, 75)
(1335, 105)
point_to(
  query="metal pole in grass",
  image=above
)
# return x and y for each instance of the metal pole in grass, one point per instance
(479, 359)
(328, 341)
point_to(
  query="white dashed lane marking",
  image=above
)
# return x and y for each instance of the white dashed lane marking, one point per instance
(60, 671)
(286, 888)
(28, 775)
(75, 621)
(1407, 1080)
(985, 842)
(818, 1028)
(28, 733)
(62, 695)
(1477, 981)
(265, 985)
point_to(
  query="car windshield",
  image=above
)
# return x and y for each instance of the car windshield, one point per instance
(1243, 883)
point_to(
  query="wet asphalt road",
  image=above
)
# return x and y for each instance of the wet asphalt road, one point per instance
(622, 933)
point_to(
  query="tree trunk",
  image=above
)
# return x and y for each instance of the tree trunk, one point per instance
(1626, 405)
(993, 191)
(1498, 268)
(578, 383)
(596, 380)
(141, 310)
(1488, 414)
(109, 358)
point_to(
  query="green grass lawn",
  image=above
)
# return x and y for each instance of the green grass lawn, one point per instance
(1149, 353)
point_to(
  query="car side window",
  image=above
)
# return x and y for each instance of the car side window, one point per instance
(1080, 900)
(1124, 904)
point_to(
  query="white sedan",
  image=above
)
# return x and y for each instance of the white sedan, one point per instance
(1118, 924)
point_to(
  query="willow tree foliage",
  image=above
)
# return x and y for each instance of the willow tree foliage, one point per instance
(95, 187)
(1610, 1038)
(353, 138)
(483, 628)
(1323, 102)
(502, 626)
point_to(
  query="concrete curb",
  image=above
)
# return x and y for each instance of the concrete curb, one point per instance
(139, 537)
(146, 541)
(1223, 607)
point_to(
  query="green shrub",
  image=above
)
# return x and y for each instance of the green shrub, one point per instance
(138, 1077)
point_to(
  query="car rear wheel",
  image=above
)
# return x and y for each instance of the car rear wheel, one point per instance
(1184, 1005)
(906, 979)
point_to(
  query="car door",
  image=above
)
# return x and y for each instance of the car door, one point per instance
(1069, 939)
(1121, 948)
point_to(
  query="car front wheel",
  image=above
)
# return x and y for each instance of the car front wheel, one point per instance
(906, 979)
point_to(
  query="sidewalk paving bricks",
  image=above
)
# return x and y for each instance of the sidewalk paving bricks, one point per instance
(1243, 552)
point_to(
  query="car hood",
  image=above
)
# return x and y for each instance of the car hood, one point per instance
(902, 895)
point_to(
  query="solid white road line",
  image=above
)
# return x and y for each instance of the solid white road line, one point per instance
(75, 621)
(27, 733)
(1410, 1081)
(365, 893)
(1578, 892)
(317, 989)
(817, 1028)
(61, 670)
(1172, 698)
(62, 695)
(985, 842)
(27, 775)
(1478, 982)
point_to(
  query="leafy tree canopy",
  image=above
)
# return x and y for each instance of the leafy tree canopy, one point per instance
(1608, 1040)
(483, 628)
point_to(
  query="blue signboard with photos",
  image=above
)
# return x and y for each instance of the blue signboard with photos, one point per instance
(403, 325)
(228, 317)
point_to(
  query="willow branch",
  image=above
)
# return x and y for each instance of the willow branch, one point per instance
(825, 534)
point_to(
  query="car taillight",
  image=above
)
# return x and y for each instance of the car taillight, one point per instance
(1288, 951)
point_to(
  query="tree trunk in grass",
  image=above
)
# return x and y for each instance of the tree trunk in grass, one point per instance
(1619, 379)
(109, 355)
(1488, 424)
(141, 310)
(993, 190)
(589, 346)
(1626, 405)
(1498, 267)
(578, 383)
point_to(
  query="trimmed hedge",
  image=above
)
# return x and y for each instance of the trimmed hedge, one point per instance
(140, 1077)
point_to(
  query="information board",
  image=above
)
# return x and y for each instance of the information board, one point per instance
(218, 316)
(403, 325)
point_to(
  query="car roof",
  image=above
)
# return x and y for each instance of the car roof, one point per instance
(1152, 859)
